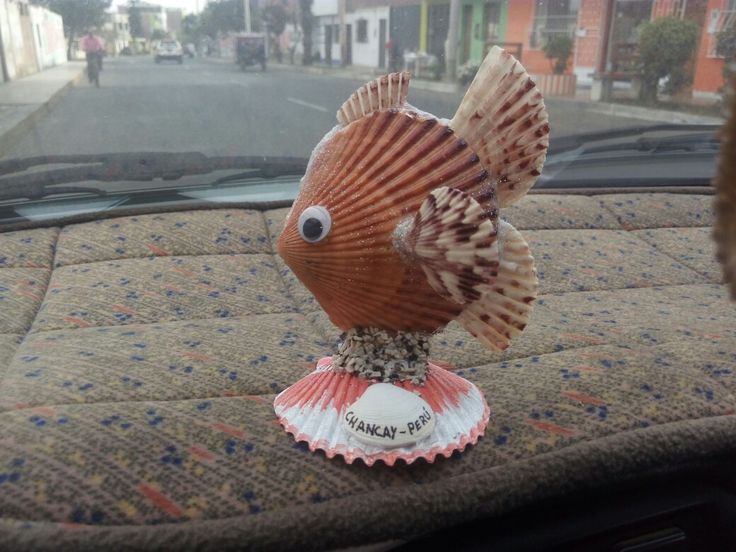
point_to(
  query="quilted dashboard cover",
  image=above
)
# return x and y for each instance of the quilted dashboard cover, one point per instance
(139, 358)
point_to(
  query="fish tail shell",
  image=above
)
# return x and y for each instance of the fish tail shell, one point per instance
(503, 119)
(385, 92)
(504, 307)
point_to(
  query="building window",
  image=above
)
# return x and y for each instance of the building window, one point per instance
(719, 22)
(362, 31)
(553, 17)
(336, 34)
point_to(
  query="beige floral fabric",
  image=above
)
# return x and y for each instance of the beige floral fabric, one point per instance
(139, 359)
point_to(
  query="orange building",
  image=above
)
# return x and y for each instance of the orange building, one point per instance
(708, 78)
(600, 27)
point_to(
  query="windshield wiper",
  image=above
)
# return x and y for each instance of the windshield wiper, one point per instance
(577, 141)
(140, 167)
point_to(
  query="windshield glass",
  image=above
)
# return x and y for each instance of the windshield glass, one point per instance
(634, 88)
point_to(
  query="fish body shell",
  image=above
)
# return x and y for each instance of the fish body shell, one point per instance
(396, 223)
(371, 175)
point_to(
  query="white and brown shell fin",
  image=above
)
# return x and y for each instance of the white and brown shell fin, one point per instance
(385, 92)
(504, 307)
(454, 242)
(503, 119)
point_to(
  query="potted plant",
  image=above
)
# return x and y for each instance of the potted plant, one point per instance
(558, 49)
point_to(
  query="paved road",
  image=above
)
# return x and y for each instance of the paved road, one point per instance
(215, 108)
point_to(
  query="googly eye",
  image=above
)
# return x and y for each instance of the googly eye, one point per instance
(314, 223)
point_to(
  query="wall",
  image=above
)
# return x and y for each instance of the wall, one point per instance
(5, 35)
(366, 53)
(708, 77)
(18, 41)
(173, 22)
(405, 28)
(433, 41)
(48, 31)
(520, 21)
(479, 34)
(324, 7)
(319, 38)
(587, 42)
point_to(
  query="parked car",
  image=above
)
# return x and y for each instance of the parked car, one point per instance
(169, 50)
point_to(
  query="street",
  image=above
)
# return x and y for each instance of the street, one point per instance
(214, 108)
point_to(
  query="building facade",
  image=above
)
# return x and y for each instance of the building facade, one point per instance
(31, 39)
(598, 29)
(116, 32)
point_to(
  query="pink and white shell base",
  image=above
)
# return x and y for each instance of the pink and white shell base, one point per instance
(313, 408)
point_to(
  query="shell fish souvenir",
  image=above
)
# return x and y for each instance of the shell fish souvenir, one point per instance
(396, 232)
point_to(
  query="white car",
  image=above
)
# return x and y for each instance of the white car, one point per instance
(169, 49)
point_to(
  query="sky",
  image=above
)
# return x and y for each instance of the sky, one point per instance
(189, 6)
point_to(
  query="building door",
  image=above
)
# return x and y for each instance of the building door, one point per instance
(491, 21)
(348, 44)
(382, 43)
(467, 26)
(438, 24)
(328, 44)
(404, 28)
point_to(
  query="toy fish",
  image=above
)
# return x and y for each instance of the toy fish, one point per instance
(395, 230)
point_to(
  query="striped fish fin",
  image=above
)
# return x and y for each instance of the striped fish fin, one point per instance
(384, 92)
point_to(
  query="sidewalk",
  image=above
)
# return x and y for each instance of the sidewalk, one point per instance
(24, 101)
(581, 102)
(352, 72)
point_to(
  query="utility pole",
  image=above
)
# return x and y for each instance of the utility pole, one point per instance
(343, 38)
(451, 46)
(3, 64)
(246, 9)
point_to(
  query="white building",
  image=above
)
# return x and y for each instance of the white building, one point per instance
(32, 39)
(326, 31)
(48, 37)
(367, 33)
(116, 32)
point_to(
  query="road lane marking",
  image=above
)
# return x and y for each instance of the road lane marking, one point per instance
(307, 104)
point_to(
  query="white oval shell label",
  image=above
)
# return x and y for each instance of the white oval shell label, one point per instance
(389, 416)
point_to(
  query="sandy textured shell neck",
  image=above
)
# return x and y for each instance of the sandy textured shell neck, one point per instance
(386, 356)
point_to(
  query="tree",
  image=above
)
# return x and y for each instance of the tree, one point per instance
(666, 46)
(222, 17)
(78, 15)
(158, 34)
(305, 12)
(191, 27)
(276, 17)
(558, 48)
(135, 20)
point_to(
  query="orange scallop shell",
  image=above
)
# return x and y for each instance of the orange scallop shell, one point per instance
(370, 175)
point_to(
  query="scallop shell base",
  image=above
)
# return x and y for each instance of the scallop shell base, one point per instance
(313, 408)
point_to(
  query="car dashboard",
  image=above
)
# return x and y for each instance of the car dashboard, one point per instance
(140, 356)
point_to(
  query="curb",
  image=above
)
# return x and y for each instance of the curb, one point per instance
(15, 134)
(643, 113)
(365, 76)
